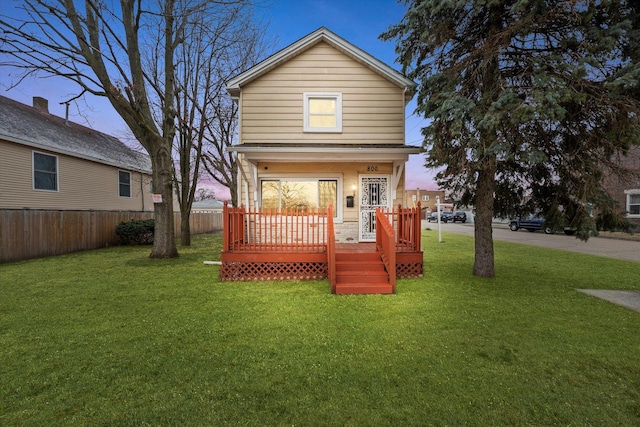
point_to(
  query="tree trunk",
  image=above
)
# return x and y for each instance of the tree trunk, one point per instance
(164, 242)
(185, 229)
(484, 263)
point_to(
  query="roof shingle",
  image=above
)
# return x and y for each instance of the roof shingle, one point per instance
(26, 125)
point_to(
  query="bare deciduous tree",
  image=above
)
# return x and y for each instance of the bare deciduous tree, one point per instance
(222, 112)
(103, 47)
(213, 51)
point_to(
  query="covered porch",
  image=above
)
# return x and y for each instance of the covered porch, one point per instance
(293, 244)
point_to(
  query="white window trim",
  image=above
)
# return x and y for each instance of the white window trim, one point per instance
(33, 172)
(629, 193)
(130, 185)
(326, 95)
(306, 177)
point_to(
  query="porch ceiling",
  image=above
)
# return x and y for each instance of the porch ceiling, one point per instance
(254, 152)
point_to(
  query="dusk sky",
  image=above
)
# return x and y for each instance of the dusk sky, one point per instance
(358, 21)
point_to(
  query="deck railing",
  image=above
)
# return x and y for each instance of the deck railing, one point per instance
(386, 245)
(292, 230)
(409, 233)
(331, 252)
(406, 223)
(284, 230)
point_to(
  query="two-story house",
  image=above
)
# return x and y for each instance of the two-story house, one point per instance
(321, 173)
(322, 123)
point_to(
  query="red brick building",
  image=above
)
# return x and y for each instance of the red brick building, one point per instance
(627, 191)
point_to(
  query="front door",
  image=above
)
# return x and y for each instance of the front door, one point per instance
(374, 193)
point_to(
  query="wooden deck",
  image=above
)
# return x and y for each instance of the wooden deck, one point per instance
(356, 247)
(294, 245)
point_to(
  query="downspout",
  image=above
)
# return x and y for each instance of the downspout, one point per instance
(404, 142)
(254, 170)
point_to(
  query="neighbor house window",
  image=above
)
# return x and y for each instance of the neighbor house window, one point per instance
(45, 172)
(302, 194)
(124, 184)
(322, 112)
(425, 197)
(633, 202)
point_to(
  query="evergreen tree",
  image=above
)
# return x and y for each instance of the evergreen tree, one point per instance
(530, 101)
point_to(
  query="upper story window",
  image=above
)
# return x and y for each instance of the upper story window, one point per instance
(124, 184)
(633, 202)
(322, 112)
(45, 172)
(425, 197)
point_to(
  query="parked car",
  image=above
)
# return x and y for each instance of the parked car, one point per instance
(532, 223)
(446, 216)
(433, 217)
(460, 216)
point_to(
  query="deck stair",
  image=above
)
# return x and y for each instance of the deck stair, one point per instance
(361, 273)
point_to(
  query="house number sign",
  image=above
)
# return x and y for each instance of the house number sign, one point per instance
(372, 169)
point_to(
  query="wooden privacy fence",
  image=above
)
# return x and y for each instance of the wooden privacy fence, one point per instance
(27, 233)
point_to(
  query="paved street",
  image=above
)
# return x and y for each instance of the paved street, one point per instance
(612, 248)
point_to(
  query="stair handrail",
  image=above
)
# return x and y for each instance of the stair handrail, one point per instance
(386, 245)
(331, 251)
(417, 227)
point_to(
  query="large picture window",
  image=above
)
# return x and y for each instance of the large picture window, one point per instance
(322, 112)
(302, 194)
(45, 172)
(124, 184)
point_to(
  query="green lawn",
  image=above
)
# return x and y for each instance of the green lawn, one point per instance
(111, 337)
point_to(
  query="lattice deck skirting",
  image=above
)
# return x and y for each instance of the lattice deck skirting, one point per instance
(273, 271)
(265, 265)
(408, 270)
(409, 264)
(246, 271)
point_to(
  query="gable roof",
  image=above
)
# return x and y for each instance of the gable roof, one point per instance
(322, 34)
(25, 125)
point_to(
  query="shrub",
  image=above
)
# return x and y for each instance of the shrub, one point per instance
(136, 232)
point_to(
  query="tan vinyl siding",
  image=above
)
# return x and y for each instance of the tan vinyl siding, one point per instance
(372, 107)
(81, 184)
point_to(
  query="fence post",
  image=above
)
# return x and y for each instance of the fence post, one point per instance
(225, 227)
(418, 228)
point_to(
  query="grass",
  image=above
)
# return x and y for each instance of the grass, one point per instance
(111, 337)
